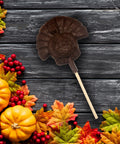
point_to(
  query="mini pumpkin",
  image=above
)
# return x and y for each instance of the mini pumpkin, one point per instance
(17, 123)
(4, 94)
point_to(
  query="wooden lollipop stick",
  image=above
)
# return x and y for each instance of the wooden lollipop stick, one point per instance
(75, 71)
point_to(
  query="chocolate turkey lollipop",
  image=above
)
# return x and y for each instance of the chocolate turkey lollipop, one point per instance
(58, 38)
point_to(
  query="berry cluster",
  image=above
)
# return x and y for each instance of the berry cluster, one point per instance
(1, 2)
(39, 138)
(2, 139)
(13, 65)
(18, 99)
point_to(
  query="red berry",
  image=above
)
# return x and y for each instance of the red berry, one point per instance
(23, 101)
(1, 142)
(12, 104)
(1, 31)
(7, 68)
(5, 62)
(16, 99)
(12, 99)
(35, 132)
(43, 139)
(19, 73)
(1, 2)
(38, 135)
(37, 140)
(18, 92)
(13, 56)
(16, 62)
(34, 137)
(10, 64)
(17, 68)
(44, 105)
(9, 59)
(3, 58)
(1, 137)
(21, 96)
(75, 123)
(22, 68)
(20, 64)
(4, 67)
(22, 92)
(12, 69)
(19, 103)
(23, 82)
(42, 133)
(47, 137)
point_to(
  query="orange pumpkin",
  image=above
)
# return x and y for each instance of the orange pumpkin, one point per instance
(17, 123)
(4, 94)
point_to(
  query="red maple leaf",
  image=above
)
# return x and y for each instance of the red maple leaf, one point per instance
(87, 132)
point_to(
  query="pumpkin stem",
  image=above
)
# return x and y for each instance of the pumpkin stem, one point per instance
(15, 126)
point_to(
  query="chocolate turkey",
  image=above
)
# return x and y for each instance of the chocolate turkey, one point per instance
(58, 38)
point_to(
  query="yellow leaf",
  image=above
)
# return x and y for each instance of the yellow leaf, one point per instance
(42, 119)
(111, 138)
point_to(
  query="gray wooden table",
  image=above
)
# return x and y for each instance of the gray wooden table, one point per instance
(99, 64)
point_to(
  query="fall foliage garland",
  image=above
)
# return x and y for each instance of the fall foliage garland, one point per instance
(53, 126)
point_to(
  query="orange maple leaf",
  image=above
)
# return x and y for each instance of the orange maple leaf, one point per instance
(30, 101)
(61, 114)
(25, 89)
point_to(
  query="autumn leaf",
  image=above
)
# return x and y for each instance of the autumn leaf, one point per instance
(66, 135)
(42, 119)
(1, 56)
(61, 114)
(110, 138)
(112, 120)
(89, 135)
(3, 12)
(25, 89)
(10, 77)
(30, 101)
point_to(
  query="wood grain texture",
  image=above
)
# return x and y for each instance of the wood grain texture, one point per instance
(23, 25)
(104, 94)
(33, 4)
(96, 61)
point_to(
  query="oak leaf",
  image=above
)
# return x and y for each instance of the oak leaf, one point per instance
(61, 114)
(112, 120)
(42, 119)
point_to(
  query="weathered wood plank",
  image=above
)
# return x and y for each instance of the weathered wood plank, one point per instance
(96, 61)
(104, 94)
(84, 117)
(61, 4)
(23, 25)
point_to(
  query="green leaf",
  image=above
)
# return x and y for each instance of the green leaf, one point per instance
(66, 135)
(112, 120)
